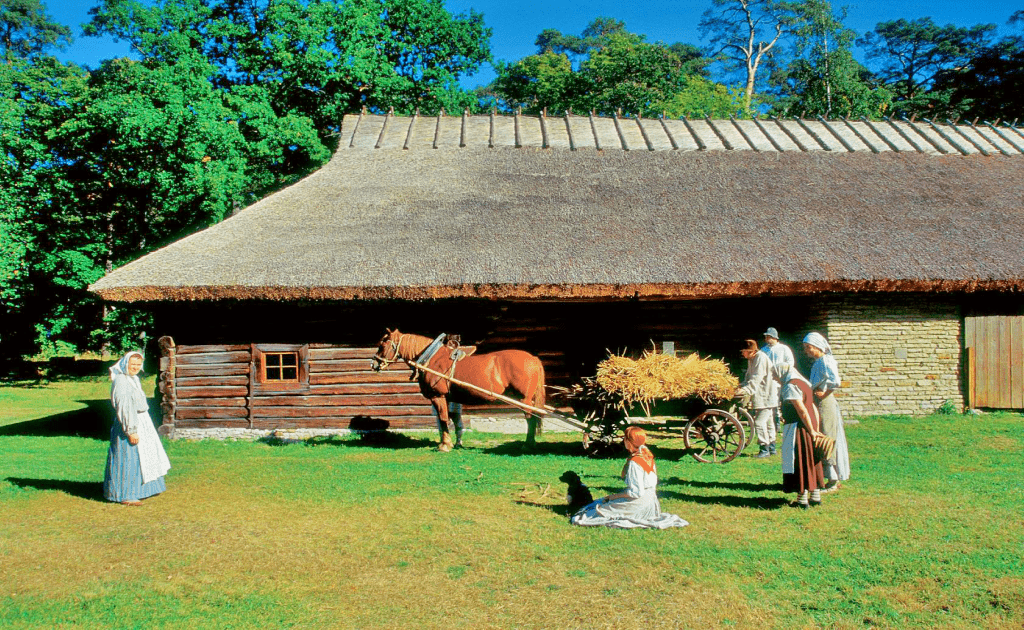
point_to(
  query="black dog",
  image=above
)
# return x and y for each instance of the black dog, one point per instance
(578, 495)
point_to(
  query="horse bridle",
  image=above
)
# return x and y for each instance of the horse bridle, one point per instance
(381, 362)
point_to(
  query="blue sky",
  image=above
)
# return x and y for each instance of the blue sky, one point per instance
(515, 25)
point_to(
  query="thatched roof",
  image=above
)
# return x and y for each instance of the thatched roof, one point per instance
(580, 207)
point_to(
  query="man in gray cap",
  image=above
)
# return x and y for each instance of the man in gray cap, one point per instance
(778, 353)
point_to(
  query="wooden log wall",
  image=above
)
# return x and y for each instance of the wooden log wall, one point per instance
(214, 387)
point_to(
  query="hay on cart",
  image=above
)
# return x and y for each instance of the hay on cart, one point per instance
(655, 377)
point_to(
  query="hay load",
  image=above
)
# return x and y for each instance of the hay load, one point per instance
(656, 377)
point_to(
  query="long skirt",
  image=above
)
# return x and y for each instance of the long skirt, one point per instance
(122, 480)
(800, 470)
(642, 513)
(837, 468)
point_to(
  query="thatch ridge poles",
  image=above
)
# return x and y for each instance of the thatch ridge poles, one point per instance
(942, 134)
(518, 133)
(696, 137)
(643, 132)
(593, 130)
(764, 132)
(938, 147)
(437, 127)
(987, 137)
(746, 138)
(835, 133)
(545, 141)
(721, 137)
(668, 132)
(1001, 135)
(408, 134)
(966, 137)
(905, 135)
(872, 127)
(792, 136)
(860, 136)
(352, 140)
(812, 134)
(618, 130)
(384, 128)
(568, 131)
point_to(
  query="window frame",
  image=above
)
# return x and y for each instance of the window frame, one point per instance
(258, 367)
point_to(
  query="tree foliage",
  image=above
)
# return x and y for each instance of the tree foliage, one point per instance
(823, 78)
(743, 34)
(992, 87)
(913, 55)
(228, 100)
(607, 69)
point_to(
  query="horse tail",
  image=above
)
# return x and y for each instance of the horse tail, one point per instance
(539, 394)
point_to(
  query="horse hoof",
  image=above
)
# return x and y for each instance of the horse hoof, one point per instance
(444, 448)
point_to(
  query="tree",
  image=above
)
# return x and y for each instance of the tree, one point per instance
(26, 29)
(616, 71)
(823, 78)
(743, 33)
(992, 86)
(914, 54)
(316, 58)
(37, 95)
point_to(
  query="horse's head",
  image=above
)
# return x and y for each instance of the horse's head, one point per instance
(388, 350)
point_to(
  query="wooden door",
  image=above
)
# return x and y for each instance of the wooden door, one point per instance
(995, 351)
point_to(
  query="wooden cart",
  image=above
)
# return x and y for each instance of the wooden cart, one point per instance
(711, 435)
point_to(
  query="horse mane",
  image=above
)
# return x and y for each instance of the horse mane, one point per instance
(414, 345)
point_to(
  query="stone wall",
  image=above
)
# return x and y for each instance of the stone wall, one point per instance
(898, 354)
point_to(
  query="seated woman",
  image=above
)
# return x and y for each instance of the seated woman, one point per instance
(637, 506)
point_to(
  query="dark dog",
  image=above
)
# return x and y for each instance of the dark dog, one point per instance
(577, 495)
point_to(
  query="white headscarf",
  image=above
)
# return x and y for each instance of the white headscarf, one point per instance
(121, 367)
(818, 341)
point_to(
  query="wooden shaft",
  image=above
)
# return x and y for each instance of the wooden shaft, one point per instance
(512, 401)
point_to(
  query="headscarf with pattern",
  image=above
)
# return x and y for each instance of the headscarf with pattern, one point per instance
(637, 438)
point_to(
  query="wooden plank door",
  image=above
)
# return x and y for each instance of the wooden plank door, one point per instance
(996, 345)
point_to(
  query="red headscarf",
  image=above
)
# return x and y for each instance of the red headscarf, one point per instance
(637, 438)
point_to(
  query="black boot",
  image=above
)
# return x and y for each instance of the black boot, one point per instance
(764, 452)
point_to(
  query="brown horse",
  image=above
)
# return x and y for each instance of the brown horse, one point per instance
(494, 371)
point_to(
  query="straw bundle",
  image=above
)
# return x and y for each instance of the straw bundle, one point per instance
(664, 377)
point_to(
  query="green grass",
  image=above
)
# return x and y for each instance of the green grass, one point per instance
(387, 532)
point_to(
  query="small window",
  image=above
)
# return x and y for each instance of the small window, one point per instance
(281, 367)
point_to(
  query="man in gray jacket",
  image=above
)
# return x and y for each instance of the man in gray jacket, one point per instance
(758, 386)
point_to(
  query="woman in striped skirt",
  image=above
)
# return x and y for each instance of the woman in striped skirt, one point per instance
(801, 469)
(136, 460)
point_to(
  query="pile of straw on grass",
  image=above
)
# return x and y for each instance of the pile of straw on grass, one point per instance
(664, 377)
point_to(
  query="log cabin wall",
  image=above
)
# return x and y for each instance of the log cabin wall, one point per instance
(217, 393)
(209, 374)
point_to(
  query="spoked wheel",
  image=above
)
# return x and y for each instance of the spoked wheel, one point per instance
(714, 436)
(747, 422)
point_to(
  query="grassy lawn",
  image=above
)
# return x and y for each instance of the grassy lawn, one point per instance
(386, 532)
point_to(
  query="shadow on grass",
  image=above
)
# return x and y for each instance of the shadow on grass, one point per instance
(755, 503)
(521, 449)
(724, 485)
(91, 422)
(371, 439)
(91, 490)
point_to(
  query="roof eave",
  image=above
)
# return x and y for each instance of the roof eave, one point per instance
(550, 291)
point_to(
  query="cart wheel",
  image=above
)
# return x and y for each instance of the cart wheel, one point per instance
(714, 436)
(747, 422)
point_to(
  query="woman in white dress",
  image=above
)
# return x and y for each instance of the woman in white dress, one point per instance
(824, 381)
(136, 461)
(637, 506)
